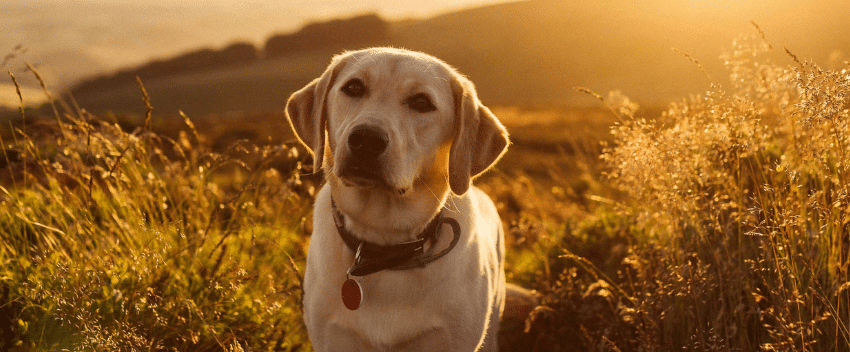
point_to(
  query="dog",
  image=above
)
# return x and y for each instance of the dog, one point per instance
(405, 254)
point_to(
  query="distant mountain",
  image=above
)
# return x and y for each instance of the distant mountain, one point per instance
(199, 60)
(360, 31)
(532, 53)
(528, 53)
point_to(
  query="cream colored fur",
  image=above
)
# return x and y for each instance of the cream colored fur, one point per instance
(454, 303)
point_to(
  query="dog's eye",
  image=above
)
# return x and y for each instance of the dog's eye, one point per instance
(421, 103)
(354, 88)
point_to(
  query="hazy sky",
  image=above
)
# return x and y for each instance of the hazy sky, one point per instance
(68, 40)
(122, 31)
(315, 8)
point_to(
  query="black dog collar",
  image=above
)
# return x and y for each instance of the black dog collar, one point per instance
(370, 258)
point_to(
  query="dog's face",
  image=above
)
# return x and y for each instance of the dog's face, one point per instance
(389, 116)
(394, 120)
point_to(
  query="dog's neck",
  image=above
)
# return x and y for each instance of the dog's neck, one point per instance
(386, 218)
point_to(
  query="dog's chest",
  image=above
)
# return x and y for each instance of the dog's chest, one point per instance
(446, 303)
(396, 305)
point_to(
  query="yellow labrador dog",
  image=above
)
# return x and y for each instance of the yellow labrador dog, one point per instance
(405, 254)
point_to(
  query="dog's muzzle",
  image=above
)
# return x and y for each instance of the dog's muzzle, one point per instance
(364, 164)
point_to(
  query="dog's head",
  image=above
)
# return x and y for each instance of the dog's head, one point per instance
(392, 119)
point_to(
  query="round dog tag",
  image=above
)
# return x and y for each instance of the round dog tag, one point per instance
(352, 294)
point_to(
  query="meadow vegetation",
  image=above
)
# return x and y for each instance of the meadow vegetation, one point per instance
(735, 218)
(719, 224)
(117, 240)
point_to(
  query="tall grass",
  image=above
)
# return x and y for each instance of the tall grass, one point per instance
(117, 240)
(738, 213)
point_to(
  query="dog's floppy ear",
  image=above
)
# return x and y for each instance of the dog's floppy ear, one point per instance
(479, 141)
(307, 114)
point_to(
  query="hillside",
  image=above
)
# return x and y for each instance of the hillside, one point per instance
(527, 53)
(720, 225)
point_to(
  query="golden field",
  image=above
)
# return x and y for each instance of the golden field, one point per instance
(718, 223)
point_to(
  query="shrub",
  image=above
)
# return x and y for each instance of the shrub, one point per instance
(746, 191)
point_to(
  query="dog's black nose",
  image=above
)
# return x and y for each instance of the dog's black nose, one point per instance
(367, 142)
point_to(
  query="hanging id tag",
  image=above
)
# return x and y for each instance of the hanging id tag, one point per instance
(352, 294)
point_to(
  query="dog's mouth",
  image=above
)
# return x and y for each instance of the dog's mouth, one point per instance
(366, 176)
